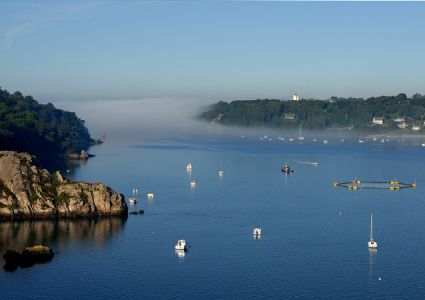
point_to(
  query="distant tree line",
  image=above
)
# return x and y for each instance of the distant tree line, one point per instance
(336, 112)
(42, 130)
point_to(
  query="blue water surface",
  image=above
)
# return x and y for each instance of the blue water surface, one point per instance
(314, 241)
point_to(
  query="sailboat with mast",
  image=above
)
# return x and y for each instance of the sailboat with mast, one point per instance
(372, 244)
(300, 136)
(133, 200)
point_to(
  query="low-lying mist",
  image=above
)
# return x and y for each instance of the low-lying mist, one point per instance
(139, 120)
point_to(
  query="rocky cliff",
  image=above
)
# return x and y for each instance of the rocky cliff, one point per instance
(27, 191)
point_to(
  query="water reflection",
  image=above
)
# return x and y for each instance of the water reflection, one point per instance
(372, 253)
(18, 235)
(181, 254)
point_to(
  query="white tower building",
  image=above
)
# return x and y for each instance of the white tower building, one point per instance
(295, 97)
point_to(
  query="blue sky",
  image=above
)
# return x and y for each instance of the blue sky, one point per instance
(210, 50)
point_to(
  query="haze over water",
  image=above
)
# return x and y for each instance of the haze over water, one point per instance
(314, 241)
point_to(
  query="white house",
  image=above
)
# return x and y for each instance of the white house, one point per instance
(378, 120)
(295, 97)
(416, 128)
(399, 120)
(289, 116)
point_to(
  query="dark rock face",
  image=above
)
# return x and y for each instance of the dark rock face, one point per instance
(29, 257)
(12, 259)
(26, 191)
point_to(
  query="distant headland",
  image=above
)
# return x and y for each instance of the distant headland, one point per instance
(376, 114)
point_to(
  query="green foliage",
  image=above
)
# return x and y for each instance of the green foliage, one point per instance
(54, 183)
(61, 199)
(26, 125)
(84, 198)
(318, 114)
(33, 196)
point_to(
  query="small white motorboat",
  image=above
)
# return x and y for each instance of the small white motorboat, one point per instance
(220, 173)
(325, 141)
(149, 196)
(181, 245)
(189, 167)
(423, 144)
(193, 183)
(257, 231)
(372, 244)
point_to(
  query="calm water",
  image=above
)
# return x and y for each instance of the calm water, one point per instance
(314, 242)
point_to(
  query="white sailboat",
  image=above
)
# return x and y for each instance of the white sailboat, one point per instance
(300, 136)
(133, 200)
(372, 244)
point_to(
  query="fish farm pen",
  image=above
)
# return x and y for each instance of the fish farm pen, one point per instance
(356, 184)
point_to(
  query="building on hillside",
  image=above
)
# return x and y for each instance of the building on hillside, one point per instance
(295, 97)
(289, 116)
(416, 128)
(399, 120)
(402, 125)
(378, 121)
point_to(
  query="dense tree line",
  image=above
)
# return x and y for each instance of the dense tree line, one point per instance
(335, 112)
(42, 130)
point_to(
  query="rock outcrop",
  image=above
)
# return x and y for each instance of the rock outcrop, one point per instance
(29, 257)
(27, 191)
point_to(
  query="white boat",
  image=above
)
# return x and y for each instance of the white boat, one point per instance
(325, 141)
(189, 167)
(257, 231)
(300, 136)
(291, 139)
(181, 245)
(361, 141)
(220, 173)
(133, 200)
(149, 196)
(423, 144)
(372, 244)
(314, 140)
(193, 183)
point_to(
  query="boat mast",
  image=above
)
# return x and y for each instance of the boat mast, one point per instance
(371, 227)
(300, 131)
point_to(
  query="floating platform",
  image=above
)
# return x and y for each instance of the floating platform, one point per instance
(357, 184)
